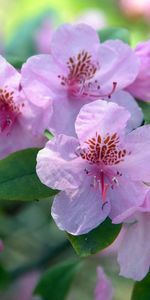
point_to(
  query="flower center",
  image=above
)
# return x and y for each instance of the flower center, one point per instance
(81, 70)
(104, 150)
(100, 153)
(8, 110)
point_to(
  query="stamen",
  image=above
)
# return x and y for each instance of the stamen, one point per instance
(8, 110)
(98, 95)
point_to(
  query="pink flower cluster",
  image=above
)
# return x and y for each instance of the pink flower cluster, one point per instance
(83, 92)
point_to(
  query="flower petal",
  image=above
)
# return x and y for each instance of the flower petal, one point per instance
(135, 264)
(40, 79)
(72, 40)
(106, 117)
(124, 99)
(81, 211)
(123, 67)
(8, 75)
(103, 288)
(137, 163)
(125, 198)
(58, 166)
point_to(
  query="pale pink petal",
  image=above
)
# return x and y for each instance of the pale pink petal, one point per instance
(124, 99)
(8, 75)
(80, 211)
(137, 163)
(40, 79)
(73, 39)
(18, 139)
(58, 165)
(134, 251)
(140, 88)
(65, 111)
(103, 290)
(106, 117)
(126, 197)
(118, 63)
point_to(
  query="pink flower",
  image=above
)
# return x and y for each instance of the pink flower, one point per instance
(140, 88)
(78, 71)
(135, 235)
(23, 288)
(19, 120)
(103, 290)
(136, 8)
(1, 246)
(43, 37)
(98, 172)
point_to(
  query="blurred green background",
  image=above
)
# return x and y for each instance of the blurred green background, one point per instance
(32, 240)
(14, 12)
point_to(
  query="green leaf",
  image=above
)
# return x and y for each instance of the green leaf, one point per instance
(17, 62)
(4, 278)
(114, 34)
(18, 179)
(56, 282)
(96, 240)
(145, 106)
(141, 289)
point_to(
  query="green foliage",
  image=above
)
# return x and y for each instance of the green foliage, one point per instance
(114, 34)
(141, 289)
(96, 240)
(18, 179)
(55, 282)
(22, 44)
(4, 278)
(145, 106)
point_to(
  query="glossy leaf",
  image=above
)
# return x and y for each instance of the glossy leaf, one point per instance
(114, 34)
(145, 106)
(55, 283)
(96, 240)
(18, 179)
(141, 289)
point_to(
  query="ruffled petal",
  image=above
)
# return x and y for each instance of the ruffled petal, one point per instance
(135, 264)
(126, 197)
(124, 99)
(118, 64)
(72, 40)
(106, 118)
(136, 165)
(81, 211)
(40, 79)
(58, 166)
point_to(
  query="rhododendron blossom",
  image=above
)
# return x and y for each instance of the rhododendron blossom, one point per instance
(78, 71)
(140, 88)
(19, 120)
(103, 290)
(98, 173)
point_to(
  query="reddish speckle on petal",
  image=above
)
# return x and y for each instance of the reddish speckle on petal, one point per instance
(8, 110)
